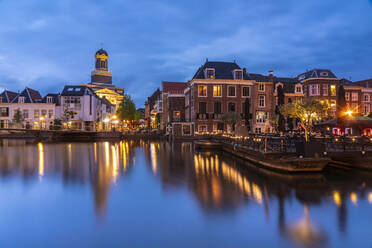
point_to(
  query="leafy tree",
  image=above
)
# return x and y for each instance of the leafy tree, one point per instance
(341, 105)
(231, 118)
(307, 111)
(281, 120)
(18, 117)
(127, 110)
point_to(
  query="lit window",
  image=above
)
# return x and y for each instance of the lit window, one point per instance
(36, 114)
(202, 90)
(231, 91)
(202, 128)
(261, 101)
(176, 115)
(210, 73)
(246, 91)
(333, 90)
(217, 90)
(354, 96)
(261, 116)
(261, 87)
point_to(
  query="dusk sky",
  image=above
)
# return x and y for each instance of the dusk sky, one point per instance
(47, 44)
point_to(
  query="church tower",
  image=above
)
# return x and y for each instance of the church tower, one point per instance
(101, 74)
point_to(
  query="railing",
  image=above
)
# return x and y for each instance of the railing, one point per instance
(287, 144)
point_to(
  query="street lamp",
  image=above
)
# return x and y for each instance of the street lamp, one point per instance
(349, 113)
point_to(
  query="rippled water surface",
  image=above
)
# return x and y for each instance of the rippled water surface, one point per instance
(149, 194)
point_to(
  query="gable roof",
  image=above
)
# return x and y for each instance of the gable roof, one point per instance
(54, 96)
(76, 90)
(258, 77)
(223, 70)
(367, 83)
(8, 96)
(173, 87)
(316, 73)
(289, 84)
(30, 95)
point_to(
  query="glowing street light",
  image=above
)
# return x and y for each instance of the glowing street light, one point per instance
(349, 113)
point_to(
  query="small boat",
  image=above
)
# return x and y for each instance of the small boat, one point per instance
(206, 144)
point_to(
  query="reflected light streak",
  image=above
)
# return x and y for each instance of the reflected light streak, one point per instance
(370, 197)
(354, 198)
(337, 198)
(41, 159)
(114, 162)
(153, 158)
(95, 152)
(107, 154)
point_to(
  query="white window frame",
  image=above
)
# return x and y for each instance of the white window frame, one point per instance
(347, 96)
(316, 87)
(366, 96)
(234, 73)
(21, 99)
(206, 73)
(354, 96)
(202, 125)
(190, 125)
(49, 99)
(325, 89)
(220, 90)
(228, 91)
(263, 87)
(206, 90)
(249, 91)
(259, 101)
(298, 86)
(330, 90)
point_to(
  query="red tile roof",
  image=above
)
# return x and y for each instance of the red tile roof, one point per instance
(174, 87)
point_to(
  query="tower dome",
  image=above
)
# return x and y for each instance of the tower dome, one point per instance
(101, 52)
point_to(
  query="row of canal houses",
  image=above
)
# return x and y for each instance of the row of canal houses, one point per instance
(91, 106)
(77, 107)
(197, 106)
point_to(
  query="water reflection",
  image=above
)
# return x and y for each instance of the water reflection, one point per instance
(218, 183)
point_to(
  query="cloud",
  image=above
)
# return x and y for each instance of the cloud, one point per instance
(47, 44)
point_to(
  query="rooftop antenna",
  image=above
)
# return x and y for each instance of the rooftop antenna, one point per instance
(101, 44)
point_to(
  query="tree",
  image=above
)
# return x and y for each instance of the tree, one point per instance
(307, 111)
(247, 115)
(127, 110)
(18, 118)
(231, 118)
(67, 115)
(281, 120)
(341, 105)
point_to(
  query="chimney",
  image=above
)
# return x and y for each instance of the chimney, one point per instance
(244, 70)
(271, 73)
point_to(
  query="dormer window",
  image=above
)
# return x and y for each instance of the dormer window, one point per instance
(238, 74)
(21, 99)
(210, 73)
(324, 74)
(49, 99)
(298, 89)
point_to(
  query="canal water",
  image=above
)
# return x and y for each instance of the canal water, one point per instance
(150, 194)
